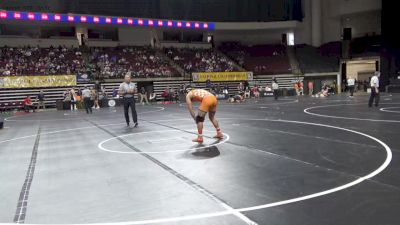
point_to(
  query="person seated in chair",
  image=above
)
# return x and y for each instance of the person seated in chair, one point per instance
(28, 104)
(255, 91)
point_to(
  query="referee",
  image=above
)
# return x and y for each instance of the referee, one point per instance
(127, 89)
(86, 94)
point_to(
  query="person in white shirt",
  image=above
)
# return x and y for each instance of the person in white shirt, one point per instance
(350, 83)
(275, 88)
(86, 94)
(128, 89)
(374, 90)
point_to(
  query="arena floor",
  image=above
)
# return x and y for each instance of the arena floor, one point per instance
(299, 161)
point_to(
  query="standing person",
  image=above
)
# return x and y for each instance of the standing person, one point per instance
(115, 93)
(296, 87)
(374, 90)
(143, 96)
(350, 84)
(208, 82)
(310, 88)
(208, 104)
(127, 89)
(275, 88)
(40, 99)
(240, 87)
(86, 94)
(73, 99)
(96, 99)
(301, 88)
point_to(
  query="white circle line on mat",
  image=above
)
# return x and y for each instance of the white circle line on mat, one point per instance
(388, 109)
(273, 204)
(100, 145)
(307, 111)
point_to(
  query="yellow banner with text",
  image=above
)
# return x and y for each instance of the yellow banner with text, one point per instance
(37, 81)
(222, 76)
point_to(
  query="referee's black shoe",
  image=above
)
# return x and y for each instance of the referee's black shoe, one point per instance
(136, 124)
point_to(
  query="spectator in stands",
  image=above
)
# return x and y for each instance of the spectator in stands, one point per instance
(200, 60)
(39, 61)
(275, 88)
(40, 100)
(28, 104)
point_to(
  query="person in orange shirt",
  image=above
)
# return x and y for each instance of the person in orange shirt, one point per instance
(208, 104)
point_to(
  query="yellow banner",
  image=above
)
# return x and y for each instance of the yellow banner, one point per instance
(222, 76)
(37, 81)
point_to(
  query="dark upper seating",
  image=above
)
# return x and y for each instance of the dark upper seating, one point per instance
(317, 60)
(261, 59)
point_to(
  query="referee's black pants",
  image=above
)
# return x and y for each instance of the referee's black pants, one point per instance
(130, 102)
(276, 94)
(374, 96)
(88, 104)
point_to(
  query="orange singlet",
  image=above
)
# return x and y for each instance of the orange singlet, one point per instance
(208, 102)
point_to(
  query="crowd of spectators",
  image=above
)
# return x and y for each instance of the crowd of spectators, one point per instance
(40, 61)
(104, 62)
(138, 61)
(200, 60)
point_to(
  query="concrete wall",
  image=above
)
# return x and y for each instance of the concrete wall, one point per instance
(363, 16)
(250, 37)
(17, 41)
(135, 36)
(185, 45)
(354, 68)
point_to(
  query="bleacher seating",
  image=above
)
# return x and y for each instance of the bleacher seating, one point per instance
(200, 60)
(312, 60)
(261, 59)
(40, 61)
(139, 61)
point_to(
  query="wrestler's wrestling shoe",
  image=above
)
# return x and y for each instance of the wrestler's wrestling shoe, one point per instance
(198, 140)
(219, 135)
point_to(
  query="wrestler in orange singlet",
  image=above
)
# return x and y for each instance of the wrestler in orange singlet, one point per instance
(208, 104)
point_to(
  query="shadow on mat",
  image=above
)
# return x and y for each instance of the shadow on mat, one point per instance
(206, 153)
(203, 153)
